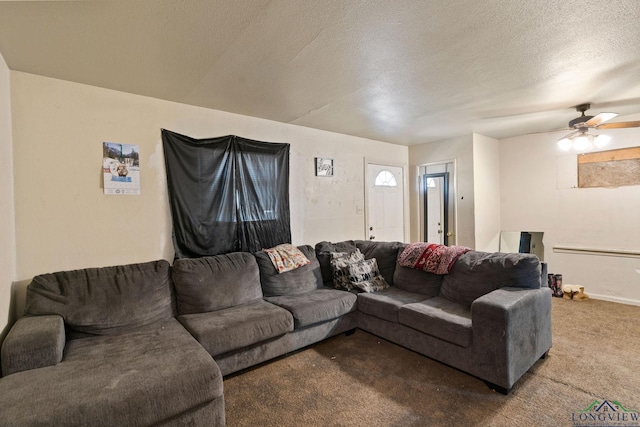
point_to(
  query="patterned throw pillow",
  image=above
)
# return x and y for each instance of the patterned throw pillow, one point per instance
(340, 262)
(365, 276)
(286, 257)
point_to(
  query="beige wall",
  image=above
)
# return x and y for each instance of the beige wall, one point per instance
(7, 224)
(63, 219)
(537, 196)
(486, 192)
(461, 150)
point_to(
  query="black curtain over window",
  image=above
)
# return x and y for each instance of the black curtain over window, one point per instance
(226, 194)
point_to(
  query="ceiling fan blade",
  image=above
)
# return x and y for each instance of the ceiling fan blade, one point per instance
(600, 118)
(619, 125)
(572, 134)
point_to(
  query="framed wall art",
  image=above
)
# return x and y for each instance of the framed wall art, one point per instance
(324, 167)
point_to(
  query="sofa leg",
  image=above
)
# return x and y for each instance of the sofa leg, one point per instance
(350, 332)
(498, 388)
(544, 356)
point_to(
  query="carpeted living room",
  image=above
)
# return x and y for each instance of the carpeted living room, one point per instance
(163, 161)
(363, 380)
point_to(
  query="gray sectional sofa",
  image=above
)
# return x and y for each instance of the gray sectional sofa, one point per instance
(149, 344)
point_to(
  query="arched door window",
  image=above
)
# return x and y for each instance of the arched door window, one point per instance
(385, 179)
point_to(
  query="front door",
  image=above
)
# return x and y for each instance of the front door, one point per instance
(385, 203)
(436, 207)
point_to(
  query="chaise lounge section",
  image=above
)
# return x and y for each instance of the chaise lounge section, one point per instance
(87, 352)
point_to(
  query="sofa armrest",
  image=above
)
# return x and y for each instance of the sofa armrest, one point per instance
(513, 327)
(33, 342)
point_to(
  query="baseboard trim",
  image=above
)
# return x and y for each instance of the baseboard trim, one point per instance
(614, 299)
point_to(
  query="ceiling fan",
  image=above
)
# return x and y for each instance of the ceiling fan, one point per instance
(580, 139)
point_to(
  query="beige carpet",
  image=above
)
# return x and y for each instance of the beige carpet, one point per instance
(362, 380)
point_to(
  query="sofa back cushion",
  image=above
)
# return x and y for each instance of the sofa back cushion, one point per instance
(385, 253)
(107, 300)
(323, 253)
(216, 282)
(298, 281)
(416, 281)
(477, 273)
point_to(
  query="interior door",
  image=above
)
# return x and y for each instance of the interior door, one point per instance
(385, 206)
(436, 203)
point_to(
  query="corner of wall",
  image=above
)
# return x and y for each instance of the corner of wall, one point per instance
(7, 205)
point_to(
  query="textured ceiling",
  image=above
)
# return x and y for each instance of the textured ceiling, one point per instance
(405, 72)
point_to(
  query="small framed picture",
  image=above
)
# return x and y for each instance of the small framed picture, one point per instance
(324, 167)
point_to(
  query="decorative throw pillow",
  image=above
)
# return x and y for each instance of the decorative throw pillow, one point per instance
(323, 253)
(365, 276)
(340, 267)
(286, 257)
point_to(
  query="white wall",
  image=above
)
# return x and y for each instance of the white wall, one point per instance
(486, 192)
(63, 219)
(535, 197)
(7, 223)
(458, 149)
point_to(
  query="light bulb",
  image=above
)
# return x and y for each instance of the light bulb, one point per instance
(565, 144)
(582, 143)
(601, 140)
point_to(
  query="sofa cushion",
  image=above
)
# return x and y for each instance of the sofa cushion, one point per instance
(418, 281)
(301, 280)
(317, 306)
(477, 273)
(216, 282)
(385, 304)
(440, 318)
(385, 253)
(105, 300)
(365, 276)
(143, 377)
(237, 327)
(323, 253)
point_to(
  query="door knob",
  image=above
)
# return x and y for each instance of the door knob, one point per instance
(371, 237)
(371, 228)
(449, 234)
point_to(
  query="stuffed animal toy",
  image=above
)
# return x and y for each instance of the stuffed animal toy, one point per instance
(574, 292)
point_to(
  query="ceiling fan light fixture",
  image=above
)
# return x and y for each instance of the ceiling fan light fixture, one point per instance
(565, 144)
(601, 141)
(582, 143)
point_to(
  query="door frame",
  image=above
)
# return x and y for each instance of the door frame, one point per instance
(419, 207)
(405, 195)
(445, 208)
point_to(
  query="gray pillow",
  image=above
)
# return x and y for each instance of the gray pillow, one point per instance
(216, 282)
(477, 273)
(299, 281)
(107, 300)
